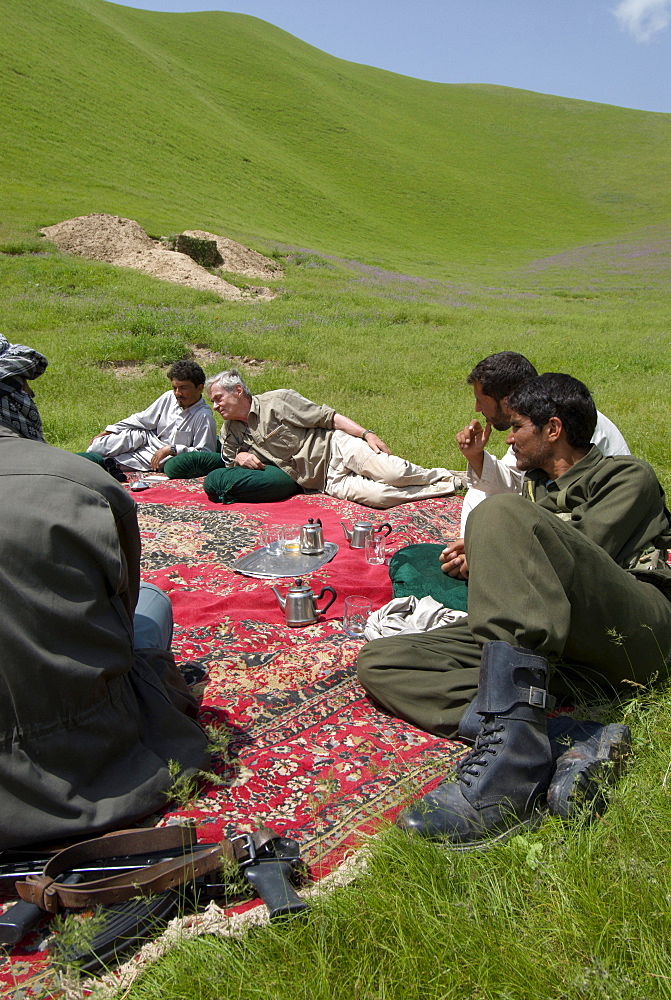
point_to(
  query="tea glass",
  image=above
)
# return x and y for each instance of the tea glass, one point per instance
(376, 549)
(291, 536)
(271, 539)
(357, 610)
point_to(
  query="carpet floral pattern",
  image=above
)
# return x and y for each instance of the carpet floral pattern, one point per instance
(306, 752)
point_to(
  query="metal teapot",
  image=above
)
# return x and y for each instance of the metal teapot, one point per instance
(361, 530)
(312, 537)
(299, 604)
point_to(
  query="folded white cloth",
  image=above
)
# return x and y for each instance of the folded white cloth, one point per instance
(407, 614)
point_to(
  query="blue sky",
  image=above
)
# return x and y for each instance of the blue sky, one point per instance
(610, 51)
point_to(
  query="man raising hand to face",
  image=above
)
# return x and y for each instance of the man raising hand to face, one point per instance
(494, 379)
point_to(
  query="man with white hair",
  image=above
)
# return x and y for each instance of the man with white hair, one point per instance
(317, 448)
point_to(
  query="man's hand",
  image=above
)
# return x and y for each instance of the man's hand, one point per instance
(248, 461)
(376, 444)
(103, 434)
(453, 560)
(472, 441)
(159, 457)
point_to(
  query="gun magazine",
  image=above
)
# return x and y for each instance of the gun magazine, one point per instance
(127, 926)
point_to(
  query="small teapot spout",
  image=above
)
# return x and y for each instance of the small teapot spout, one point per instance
(282, 600)
(348, 533)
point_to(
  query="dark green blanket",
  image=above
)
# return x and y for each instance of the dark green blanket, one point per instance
(415, 570)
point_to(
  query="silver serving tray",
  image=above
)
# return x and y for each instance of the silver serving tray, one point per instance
(267, 563)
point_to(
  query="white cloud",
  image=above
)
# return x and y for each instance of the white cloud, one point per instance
(643, 19)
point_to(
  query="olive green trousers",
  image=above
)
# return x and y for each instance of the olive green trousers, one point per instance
(535, 581)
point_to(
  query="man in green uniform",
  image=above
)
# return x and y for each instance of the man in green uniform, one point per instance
(92, 706)
(573, 573)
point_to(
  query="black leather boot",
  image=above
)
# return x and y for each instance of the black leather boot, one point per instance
(502, 782)
(588, 757)
(594, 759)
(471, 723)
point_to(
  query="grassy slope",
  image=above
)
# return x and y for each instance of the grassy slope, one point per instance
(224, 122)
(392, 352)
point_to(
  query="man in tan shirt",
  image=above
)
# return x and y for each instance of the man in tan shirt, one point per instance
(317, 447)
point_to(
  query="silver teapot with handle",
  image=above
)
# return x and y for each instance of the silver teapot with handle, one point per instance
(299, 603)
(312, 537)
(361, 530)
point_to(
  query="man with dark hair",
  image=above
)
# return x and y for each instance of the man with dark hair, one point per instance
(493, 379)
(499, 374)
(568, 589)
(179, 421)
(557, 395)
(94, 714)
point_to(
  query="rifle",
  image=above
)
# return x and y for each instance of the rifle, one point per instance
(270, 864)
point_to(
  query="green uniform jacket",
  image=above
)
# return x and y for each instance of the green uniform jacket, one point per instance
(87, 724)
(619, 504)
(560, 576)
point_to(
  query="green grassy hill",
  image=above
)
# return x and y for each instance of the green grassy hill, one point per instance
(223, 122)
(543, 224)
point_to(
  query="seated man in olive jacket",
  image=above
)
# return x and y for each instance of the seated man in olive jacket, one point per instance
(92, 706)
(569, 590)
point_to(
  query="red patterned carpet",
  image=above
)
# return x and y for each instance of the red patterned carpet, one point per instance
(308, 753)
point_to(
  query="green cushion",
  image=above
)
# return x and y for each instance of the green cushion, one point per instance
(238, 485)
(191, 464)
(415, 570)
(92, 456)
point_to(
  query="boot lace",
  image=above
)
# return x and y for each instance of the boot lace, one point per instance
(487, 742)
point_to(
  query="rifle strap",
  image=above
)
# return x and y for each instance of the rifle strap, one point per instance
(44, 891)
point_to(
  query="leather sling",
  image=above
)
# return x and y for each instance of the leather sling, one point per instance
(191, 862)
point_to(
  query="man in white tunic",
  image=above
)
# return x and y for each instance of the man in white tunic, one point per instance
(493, 379)
(178, 421)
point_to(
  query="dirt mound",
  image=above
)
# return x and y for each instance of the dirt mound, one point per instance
(98, 237)
(172, 266)
(124, 242)
(237, 258)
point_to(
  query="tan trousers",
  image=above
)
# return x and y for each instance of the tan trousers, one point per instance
(357, 473)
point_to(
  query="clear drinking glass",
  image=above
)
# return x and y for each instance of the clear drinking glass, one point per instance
(357, 610)
(376, 549)
(271, 538)
(291, 535)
